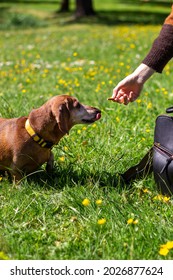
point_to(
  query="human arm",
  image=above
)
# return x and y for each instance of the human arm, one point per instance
(161, 52)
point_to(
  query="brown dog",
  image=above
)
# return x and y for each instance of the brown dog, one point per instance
(26, 142)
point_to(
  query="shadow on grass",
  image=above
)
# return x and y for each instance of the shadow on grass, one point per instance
(12, 19)
(116, 18)
(130, 17)
(69, 176)
(102, 17)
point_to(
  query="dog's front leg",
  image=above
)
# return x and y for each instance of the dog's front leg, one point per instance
(50, 163)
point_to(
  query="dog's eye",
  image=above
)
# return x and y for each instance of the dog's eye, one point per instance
(77, 105)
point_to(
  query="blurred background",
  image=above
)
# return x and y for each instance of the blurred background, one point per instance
(36, 13)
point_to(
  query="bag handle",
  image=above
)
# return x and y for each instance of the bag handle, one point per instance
(140, 170)
(169, 110)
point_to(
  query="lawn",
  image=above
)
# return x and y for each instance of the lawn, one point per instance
(83, 210)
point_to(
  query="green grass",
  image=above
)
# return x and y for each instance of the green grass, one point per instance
(43, 217)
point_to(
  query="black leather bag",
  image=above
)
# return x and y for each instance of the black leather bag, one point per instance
(163, 153)
(159, 158)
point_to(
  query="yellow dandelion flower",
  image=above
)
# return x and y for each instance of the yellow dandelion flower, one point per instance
(132, 46)
(147, 130)
(117, 119)
(75, 54)
(161, 198)
(99, 201)
(138, 101)
(84, 128)
(166, 199)
(163, 251)
(165, 248)
(23, 90)
(169, 245)
(46, 70)
(0, 178)
(121, 64)
(145, 190)
(77, 84)
(86, 202)
(62, 158)
(149, 105)
(65, 148)
(28, 80)
(23, 61)
(78, 131)
(157, 197)
(3, 256)
(94, 125)
(135, 222)
(130, 221)
(101, 221)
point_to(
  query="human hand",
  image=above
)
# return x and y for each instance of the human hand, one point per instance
(129, 89)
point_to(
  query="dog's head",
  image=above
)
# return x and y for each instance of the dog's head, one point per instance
(68, 111)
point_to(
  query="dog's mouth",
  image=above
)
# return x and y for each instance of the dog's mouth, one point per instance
(95, 118)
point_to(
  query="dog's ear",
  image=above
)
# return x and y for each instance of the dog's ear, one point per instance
(62, 116)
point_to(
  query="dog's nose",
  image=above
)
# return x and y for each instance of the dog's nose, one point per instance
(98, 116)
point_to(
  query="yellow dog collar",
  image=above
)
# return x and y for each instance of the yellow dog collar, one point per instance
(36, 137)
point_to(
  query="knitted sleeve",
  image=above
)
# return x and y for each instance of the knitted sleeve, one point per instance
(162, 48)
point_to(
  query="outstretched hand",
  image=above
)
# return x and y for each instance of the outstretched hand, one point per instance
(129, 89)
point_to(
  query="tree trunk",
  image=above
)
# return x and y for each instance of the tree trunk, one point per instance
(84, 8)
(64, 6)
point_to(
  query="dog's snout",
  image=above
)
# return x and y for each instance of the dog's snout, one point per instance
(96, 109)
(98, 114)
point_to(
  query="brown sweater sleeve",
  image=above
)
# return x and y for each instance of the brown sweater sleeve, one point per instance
(162, 48)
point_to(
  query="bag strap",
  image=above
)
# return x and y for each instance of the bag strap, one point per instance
(140, 170)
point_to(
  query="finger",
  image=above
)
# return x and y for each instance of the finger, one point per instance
(126, 100)
(120, 94)
(116, 95)
(114, 100)
(122, 100)
(116, 91)
(132, 96)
